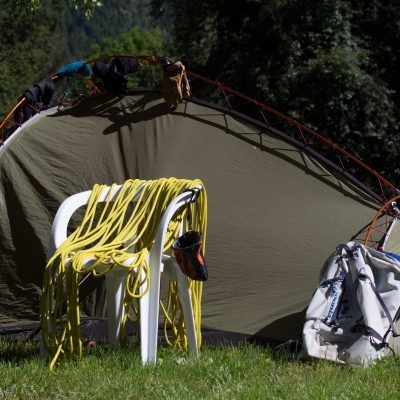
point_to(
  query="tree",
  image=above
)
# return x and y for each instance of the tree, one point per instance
(28, 50)
(30, 44)
(37, 40)
(330, 65)
(85, 6)
(113, 19)
(136, 42)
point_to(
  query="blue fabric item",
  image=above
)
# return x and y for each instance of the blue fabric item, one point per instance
(394, 255)
(77, 67)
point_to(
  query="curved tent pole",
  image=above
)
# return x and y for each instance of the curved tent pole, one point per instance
(7, 119)
(300, 127)
(383, 227)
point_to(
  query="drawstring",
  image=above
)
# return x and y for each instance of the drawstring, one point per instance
(193, 200)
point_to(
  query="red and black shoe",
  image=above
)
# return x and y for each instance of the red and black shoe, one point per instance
(188, 253)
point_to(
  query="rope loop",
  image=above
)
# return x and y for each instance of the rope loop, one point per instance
(111, 233)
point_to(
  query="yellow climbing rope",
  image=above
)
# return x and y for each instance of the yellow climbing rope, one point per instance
(110, 233)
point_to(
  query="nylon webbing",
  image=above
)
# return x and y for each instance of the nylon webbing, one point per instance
(384, 308)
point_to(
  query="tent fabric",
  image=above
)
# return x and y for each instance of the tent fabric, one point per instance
(392, 245)
(392, 242)
(274, 212)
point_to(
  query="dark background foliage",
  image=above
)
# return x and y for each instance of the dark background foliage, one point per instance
(332, 64)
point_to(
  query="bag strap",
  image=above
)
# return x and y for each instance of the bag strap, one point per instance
(385, 310)
(395, 318)
(349, 251)
(195, 194)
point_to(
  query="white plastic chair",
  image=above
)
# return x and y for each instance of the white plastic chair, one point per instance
(115, 280)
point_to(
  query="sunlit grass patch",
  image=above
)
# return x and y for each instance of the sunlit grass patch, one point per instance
(220, 372)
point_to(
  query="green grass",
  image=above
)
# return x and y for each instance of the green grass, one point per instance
(223, 372)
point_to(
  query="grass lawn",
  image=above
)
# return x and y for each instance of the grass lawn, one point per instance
(222, 372)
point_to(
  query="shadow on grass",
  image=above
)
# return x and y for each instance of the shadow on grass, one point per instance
(278, 352)
(16, 351)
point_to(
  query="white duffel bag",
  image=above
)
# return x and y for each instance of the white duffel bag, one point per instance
(352, 315)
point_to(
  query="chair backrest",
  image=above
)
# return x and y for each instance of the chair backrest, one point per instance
(68, 207)
(73, 203)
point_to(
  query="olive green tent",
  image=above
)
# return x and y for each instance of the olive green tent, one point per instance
(276, 210)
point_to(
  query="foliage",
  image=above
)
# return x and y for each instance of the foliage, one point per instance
(30, 45)
(135, 42)
(220, 372)
(330, 65)
(85, 6)
(28, 50)
(38, 40)
(113, 19)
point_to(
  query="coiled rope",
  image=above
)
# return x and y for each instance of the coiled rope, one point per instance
(109, 235)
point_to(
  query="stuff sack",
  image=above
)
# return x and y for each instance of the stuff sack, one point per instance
(37, 98)
(352, 314)
(115, 74)
(80, 68)
(175, 84)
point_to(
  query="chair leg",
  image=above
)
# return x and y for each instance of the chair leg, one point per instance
(115, 293)
(144, 320)
(49, 327)
(186, 301)
(155, 267)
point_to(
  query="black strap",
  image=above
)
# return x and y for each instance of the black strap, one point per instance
(384, 308)
(195, 194)
(65, 92)
(349, 251)
(372, 332)
(395, 318)
(327, 282)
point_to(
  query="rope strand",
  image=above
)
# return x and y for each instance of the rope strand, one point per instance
(100, 244)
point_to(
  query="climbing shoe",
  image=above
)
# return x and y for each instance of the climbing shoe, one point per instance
(188, 254)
